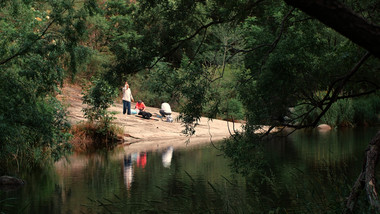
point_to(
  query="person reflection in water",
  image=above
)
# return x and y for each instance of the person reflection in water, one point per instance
(167, 157)
(141, 160)
(128, 171)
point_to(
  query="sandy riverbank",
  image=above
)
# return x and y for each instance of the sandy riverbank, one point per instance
(142, 134)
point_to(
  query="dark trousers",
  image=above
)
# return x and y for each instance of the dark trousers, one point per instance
(163, 113)
(126, 107)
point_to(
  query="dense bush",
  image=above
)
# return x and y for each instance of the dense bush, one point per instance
(91, 136)
(33, 129)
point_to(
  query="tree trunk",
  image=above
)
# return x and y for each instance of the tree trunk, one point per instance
(366, 178)
(370, 182)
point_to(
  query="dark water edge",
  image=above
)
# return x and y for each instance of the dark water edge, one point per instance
(310, 172)
(317, 169)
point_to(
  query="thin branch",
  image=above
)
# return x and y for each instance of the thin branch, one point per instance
(200, 45)
(275, 42)
(268, 131)
(223, 65)
(340, 87)
(180, 42)
(22, 51)
(357, 95)
(334, 96)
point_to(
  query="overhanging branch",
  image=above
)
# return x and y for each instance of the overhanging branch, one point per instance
(340, 18)
(328, 100)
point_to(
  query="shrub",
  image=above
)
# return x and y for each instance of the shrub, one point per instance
(90, 136)
(98, 131)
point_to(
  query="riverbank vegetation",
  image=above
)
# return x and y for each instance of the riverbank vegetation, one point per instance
(276, 63)
(98, 131)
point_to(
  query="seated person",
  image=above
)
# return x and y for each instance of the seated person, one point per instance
(140, 106)
(165, 109)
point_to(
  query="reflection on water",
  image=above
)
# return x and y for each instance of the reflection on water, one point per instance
(196, 179)
(137, 158)
(167, 157)
(128, 171)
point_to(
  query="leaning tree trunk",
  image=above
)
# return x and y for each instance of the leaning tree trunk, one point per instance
(366, 179)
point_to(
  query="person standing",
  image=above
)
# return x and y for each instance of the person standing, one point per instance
(127, 98)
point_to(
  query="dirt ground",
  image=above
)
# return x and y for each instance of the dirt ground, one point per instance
(142, 134)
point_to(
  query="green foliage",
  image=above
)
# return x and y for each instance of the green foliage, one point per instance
(39, 46)
(343, 113)
(307, 58)
(33, 129)
(98, 98)
(245, 152)
(287, 58)
(224, 59)
(233, 110)
(159, 85)
(340, 114)
(6, 205)
(366, 110)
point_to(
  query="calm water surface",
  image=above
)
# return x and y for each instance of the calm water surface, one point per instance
(308, 172)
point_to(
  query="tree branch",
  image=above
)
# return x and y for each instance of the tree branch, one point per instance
(335, 95)
(24, 50)
(366, 178)
(275, 42)
(180, 42)
(371, 162)
(336, 92)
(340, 18)
(354, 195)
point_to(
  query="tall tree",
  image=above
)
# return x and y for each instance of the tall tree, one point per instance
(39, 45)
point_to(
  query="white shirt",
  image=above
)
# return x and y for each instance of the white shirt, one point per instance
(166, 107)
(127, 94)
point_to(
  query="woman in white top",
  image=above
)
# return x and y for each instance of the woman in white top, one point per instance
(127, 98)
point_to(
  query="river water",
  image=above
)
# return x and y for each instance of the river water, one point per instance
(310, 172)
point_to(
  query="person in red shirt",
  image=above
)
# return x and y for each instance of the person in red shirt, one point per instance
(140, 106)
